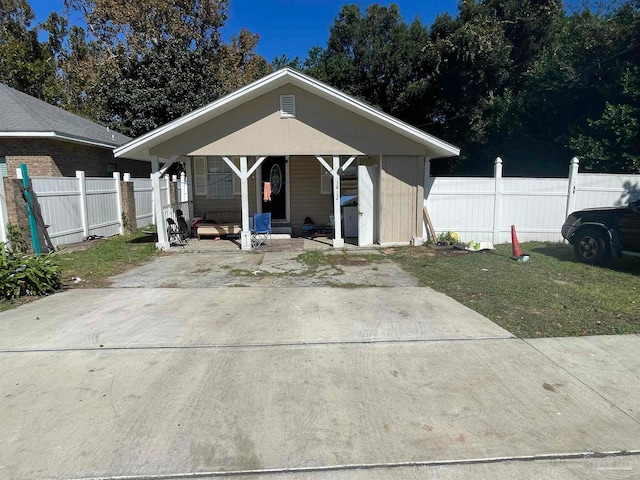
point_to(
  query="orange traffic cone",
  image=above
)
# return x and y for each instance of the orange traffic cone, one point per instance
(517, 251)
(518, 256)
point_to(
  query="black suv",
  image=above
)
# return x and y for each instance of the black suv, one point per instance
(597, 234)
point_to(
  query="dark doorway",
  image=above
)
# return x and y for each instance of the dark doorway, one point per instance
(274, 171)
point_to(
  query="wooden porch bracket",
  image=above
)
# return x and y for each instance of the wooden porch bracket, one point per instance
(338, 241)
(244, 173)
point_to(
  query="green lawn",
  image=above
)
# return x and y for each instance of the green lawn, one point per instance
(551, 295)
(103, 260)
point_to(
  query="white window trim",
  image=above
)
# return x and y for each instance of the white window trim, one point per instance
(199, 180)
(324, 174)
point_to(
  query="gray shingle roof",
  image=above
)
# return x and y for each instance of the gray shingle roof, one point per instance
(24, 113)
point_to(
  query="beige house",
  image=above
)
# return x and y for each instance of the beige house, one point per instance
(314, 145)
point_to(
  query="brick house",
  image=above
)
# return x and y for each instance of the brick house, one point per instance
(54, 142)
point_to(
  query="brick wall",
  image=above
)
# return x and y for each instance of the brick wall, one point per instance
(55, 158)
(17, 208)
(128, 206)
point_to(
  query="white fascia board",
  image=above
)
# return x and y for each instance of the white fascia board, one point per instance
(56, 136)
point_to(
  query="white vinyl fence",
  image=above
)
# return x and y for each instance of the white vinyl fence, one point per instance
(78, 207)
(143, 193)
(75, 208)
(169, 209)
(483, 209)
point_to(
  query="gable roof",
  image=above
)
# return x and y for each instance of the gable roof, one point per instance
(139, 147)
(24, 116)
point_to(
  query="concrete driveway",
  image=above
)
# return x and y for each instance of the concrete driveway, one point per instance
(205, 269)
(313, 382)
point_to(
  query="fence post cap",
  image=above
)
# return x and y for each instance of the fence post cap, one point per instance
(498, 161)
(574, 161)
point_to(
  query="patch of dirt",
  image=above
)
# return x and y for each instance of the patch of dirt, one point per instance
(352, 261)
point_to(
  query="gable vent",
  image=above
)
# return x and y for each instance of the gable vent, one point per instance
(287, 106)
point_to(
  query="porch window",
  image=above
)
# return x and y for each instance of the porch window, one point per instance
(220, 179)
(326, 181)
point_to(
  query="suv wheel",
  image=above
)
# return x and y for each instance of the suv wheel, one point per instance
(590, 247)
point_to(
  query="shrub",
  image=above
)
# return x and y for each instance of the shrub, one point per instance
(27, 275)
(15, 239)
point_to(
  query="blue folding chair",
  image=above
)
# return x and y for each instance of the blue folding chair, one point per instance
(261, 231)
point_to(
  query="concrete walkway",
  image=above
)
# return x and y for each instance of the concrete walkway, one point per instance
(296, 383)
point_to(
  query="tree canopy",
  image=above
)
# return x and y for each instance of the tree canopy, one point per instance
(534, 81)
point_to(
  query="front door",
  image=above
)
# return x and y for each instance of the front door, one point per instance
(274, 171)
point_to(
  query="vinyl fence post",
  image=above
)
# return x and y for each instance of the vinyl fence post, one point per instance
(116, 180)
(126, 177)
(83, 202)
(573, 184)
(497, 205)
(167, 185)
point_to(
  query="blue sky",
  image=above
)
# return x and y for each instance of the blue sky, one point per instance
(289, 26)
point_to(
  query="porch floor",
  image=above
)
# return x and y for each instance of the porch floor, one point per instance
(299, 244)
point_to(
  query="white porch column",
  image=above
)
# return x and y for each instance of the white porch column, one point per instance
(338, 241)
(245, 236)
(163, 240)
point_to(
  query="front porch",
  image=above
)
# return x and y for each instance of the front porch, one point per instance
(295, 189)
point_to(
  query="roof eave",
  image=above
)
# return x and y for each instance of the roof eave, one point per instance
(58, 136)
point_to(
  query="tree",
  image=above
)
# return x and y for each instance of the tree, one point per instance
(142, 64)
(369, 55)
(139, 26)
(25, 63)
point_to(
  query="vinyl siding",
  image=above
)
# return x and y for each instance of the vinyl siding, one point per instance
(320, 127)
(401, 196)
(306, 199)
